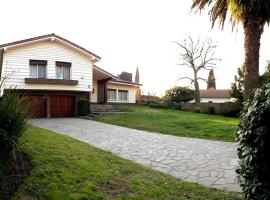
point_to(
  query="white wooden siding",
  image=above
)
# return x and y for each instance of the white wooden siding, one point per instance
(16, 64)
(94, 95)
(131, 91)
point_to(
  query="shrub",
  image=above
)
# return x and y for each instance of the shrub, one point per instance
(197, 110)
(211, 110)
(231, 109)
(83, 107)
(179, 95)
(147, 99)
(157, 105)
(13, 121)
(254, 146)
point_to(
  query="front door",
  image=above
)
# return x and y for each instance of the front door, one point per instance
(101, 92)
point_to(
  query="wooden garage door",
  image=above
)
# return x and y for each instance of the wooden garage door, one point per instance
(62, 106)
(38, 106)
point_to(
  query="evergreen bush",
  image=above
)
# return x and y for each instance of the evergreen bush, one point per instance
(254, 146)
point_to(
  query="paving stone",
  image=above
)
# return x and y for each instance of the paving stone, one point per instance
(211, 163)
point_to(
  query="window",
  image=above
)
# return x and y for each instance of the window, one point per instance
(63, 70)
(122, 95)
(38, 68)
(112, 95)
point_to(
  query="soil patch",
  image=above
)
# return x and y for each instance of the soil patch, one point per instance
(19, 169)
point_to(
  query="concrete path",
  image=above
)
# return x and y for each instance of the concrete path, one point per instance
(211, 163)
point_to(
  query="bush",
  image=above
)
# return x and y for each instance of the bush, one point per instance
(179, 95)
(83, 107)
(254, 146)
(157, 105)
(14, 114)
(231, 109)
(147, 99)
(211, 110)
(197, 110)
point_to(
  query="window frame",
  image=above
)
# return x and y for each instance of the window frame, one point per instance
(122, 100)
(108, 96)
(37, 66)
(61, 65)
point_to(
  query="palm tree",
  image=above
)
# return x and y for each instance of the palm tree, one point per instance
(253, 14)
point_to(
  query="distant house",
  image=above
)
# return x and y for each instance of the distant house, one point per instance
(215, 96)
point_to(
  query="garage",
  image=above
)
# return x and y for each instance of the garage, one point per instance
(38, 106)
(62, 106)
(54, 106)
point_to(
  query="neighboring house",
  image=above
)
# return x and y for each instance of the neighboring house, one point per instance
(55, 73)
(215, 96)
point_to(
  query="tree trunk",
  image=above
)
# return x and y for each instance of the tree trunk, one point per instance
(253, 28)
(197, 89)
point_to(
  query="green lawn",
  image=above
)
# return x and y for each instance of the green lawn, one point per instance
(174, 122)
(65, 168)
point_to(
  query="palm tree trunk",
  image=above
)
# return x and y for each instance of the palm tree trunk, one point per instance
(253, 29)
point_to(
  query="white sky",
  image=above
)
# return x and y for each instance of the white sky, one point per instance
(130, 33)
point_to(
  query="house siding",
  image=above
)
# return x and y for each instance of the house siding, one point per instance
(16, 66)
(214, 100)
(131, 92)
(94, 95)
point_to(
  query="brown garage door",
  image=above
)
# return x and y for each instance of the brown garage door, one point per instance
(38, 106)
(62, 106)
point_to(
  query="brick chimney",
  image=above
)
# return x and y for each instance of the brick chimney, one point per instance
(125, 76)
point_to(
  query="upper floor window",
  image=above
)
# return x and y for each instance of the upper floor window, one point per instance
(122, 95)
(63, 70)
(38, 68)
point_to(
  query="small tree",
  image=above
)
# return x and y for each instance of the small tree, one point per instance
(237, 88)
(211, 82)
(197, 56)
(254, 146)
(179, 95)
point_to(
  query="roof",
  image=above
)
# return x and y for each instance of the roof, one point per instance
(104, 71)
(115, 79)
(215, 93)
(52, 35)
(126, 82)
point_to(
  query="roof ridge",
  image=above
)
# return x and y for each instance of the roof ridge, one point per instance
(47, 36)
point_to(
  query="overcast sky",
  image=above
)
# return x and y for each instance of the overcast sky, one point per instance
(130, 33)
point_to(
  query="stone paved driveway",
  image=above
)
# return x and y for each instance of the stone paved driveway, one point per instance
(211, 163)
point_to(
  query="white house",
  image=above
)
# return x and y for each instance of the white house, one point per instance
(215, 96)
(55, 73)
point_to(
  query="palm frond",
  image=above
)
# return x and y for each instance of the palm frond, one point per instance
(237, 9)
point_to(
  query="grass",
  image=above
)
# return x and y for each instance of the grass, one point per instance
(65, 168)
(174, 122)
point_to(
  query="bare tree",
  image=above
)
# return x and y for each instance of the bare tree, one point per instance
(198, 55)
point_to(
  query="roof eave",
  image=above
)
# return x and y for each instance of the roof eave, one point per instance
(51, 37)
(125, 83)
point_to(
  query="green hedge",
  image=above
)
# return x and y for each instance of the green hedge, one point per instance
(254, 146)
(231, 109)
(83, 107)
